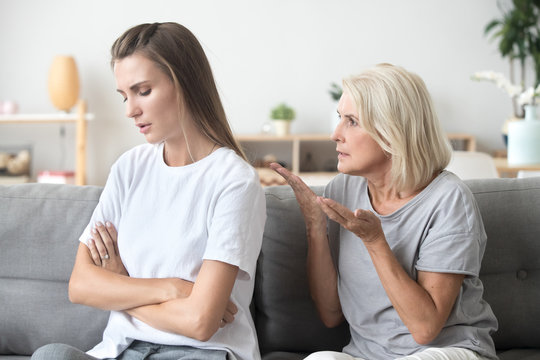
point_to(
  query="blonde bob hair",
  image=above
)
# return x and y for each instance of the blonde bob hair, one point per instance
(178, 53)
(396, 110)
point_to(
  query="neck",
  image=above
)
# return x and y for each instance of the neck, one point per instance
(182, 152)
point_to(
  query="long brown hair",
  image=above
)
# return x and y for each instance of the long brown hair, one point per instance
(178, 53)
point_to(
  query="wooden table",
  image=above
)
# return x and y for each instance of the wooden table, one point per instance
(505, 170)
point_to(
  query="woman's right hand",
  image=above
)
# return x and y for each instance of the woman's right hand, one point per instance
(103, 248)
(307, 199)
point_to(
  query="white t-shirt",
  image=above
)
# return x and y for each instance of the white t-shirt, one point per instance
(169, 219)
(439, 230)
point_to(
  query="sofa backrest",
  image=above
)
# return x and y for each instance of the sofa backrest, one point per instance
(285, 317)
(39, 228)
(510, 208)
(510, 270)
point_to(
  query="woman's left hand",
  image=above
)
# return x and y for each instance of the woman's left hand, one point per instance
(362, 223)
(103, 248)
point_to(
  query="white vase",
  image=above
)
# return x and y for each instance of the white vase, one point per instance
(524, 139)
(281, 127)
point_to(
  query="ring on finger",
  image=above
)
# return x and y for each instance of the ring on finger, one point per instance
(105, 257)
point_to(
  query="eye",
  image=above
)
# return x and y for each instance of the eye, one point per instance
(145, 93)
(352, 122)
(124, 99)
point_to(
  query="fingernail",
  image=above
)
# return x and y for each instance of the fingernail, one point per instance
(93, 231)
(99, 223)
(108, 223)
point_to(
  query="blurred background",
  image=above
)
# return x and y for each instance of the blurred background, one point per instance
(262, 53)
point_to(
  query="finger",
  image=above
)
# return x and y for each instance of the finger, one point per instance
(293, 180)
(94, 254)
(102, 250)
(280, 170)
(232, 308)
(332, 212)
(106, 238)
(228, 317)
(114, 236)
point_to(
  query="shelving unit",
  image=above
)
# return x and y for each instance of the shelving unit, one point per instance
(294, 150)
(79, 118)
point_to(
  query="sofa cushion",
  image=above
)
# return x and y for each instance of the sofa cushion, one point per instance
(510, 271)
(285, 316)
(39, 229)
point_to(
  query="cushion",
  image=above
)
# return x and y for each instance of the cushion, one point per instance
(510, 271)
(39, 229)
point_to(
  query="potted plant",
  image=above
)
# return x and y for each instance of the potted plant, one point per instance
(281, 116)
(518, 32)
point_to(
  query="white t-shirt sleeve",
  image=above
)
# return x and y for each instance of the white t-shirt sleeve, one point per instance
(236, 226)
(109, 205)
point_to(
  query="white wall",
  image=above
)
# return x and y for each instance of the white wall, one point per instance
(262, 53)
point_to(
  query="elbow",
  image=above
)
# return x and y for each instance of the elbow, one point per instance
(425, 336)
(331, 320)
(74, 292)
(204, 327)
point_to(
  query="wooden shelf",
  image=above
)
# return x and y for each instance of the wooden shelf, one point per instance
(461, 141)
(80, 117)
(505, 170)
(294, 150)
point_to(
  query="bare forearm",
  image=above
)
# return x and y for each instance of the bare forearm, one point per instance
(322, 277)
(200, 314)
(423, 314)
(105, 290)
(180, 316)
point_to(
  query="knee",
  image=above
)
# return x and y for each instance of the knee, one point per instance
(53, 351)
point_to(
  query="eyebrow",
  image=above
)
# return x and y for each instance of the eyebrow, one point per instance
(348, 115)
(134, 86)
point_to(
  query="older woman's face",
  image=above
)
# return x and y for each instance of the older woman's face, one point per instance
(358, 153)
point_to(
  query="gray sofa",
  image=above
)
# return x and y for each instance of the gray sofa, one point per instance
(40, 224)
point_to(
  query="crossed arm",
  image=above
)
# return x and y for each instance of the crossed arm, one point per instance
(196, 310)
(423, 304)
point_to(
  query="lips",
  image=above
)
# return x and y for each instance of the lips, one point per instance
(143, 127)
(341, 154)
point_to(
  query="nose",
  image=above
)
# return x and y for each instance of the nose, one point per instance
(337, 135)
(132, 109)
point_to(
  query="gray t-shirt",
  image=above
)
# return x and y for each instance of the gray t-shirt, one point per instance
(439, 230)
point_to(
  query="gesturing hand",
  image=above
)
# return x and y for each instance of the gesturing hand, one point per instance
(362, 223)
(103, 248)
(306, 198)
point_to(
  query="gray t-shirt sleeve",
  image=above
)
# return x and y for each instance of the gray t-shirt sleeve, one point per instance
(456, 238)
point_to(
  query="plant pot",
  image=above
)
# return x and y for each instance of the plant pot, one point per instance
(282, 127)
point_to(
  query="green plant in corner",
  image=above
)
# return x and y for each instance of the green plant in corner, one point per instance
(282, 112)
(518, 32)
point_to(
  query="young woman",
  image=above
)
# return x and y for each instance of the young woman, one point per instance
(410, 235)
(172, 246)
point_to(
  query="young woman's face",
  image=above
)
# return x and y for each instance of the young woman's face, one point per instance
(150, 98)
(358, 153)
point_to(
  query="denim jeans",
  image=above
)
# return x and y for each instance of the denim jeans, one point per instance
(138, 350)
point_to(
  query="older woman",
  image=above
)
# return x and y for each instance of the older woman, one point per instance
(411, 238)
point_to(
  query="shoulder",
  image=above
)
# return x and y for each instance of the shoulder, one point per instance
(447, 185)
(230, 167)
(133, 159)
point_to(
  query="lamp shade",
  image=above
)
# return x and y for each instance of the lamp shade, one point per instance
(63, 82)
